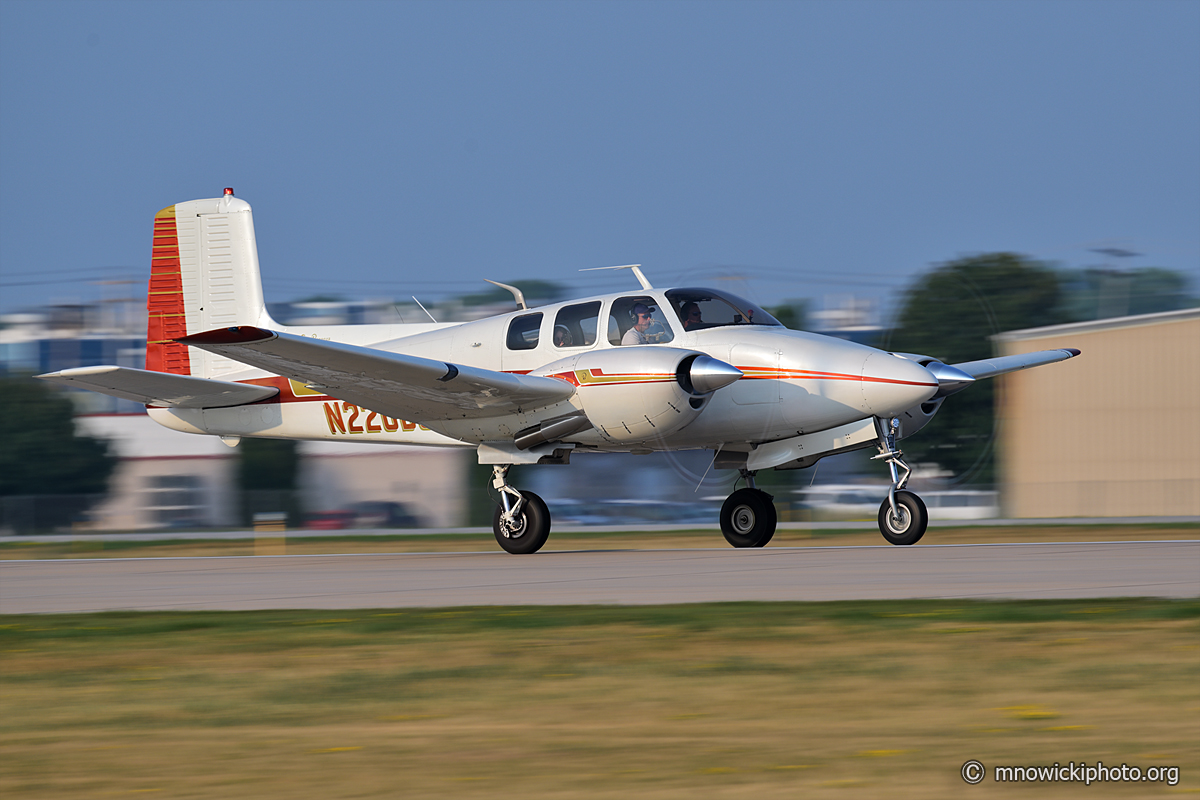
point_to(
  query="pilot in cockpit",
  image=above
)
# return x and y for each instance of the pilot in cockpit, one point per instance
(643, 318)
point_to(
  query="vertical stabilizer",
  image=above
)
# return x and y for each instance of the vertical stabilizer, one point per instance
(203, 275)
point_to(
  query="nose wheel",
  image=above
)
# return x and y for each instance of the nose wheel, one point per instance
(748, 516)
(907, 522)
(903, 517)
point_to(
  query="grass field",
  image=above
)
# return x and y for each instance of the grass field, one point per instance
(86, 547)
(863, 699)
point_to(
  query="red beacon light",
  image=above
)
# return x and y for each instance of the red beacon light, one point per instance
(229, 191)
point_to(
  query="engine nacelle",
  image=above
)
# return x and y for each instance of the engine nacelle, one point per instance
(915, 418)
(638, 394)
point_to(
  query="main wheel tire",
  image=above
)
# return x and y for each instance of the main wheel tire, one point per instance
(912, 521)
(748, 518)
(531, 528)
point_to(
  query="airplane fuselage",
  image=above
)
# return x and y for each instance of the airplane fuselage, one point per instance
(793, 384)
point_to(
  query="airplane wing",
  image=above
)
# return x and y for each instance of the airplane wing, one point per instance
(160, 388)
(401, 386)
(991, 367)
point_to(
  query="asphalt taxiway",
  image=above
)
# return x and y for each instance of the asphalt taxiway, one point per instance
(633, 577)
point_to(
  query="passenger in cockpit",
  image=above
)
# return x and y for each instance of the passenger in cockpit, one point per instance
(691, 317)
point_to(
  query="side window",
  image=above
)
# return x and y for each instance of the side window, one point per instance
(637, 320)
(575, 326)
(523, 332)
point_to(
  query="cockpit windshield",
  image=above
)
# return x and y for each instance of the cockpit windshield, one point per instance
(699, 309)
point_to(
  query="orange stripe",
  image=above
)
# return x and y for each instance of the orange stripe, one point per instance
(166, 315)
(769, 373)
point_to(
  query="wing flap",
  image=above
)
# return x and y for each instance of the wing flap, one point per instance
(160, 388)
(991, 367)
(403, 386)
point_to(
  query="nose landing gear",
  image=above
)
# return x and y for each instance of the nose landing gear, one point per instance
(748, 516)
(903, 517)
(522, 521)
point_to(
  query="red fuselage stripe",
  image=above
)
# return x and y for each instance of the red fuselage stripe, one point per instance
(771, 373)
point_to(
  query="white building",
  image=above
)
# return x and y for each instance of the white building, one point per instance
(170, 479)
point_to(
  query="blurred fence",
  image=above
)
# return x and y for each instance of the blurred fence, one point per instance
(158, 508)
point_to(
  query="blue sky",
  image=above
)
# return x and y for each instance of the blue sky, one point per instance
(393, 148)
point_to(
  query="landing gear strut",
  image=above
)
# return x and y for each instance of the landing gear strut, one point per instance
(748, 517)
(522, 521)
(903, 517)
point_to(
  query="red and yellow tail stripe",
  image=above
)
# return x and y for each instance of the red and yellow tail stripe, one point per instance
(164, 301)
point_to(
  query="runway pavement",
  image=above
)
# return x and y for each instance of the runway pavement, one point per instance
(640, 527)
(1048, 570)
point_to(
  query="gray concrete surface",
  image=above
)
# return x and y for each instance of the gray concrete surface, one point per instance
(859, 525)
(1052, 570)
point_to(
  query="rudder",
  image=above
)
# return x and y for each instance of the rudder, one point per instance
(166, 318)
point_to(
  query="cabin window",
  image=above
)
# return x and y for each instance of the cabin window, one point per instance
(523, 332)
(575, 326)
(698, 309)
(624, 319)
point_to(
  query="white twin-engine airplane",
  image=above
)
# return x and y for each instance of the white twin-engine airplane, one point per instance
(675, 369)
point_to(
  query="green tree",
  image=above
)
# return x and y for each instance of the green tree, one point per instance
(267, 474)
(41, 454)
(950, 314)
(533, 289)
(268, 464)
(1099, 293)
(792, 313)
(322, 298)
(480, 505)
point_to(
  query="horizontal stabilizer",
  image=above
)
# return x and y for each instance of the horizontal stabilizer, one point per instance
(160, 388)
(398, 385)
(991, 367)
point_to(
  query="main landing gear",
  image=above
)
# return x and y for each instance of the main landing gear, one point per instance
(902, 516)
(748, 516)
(522, 521)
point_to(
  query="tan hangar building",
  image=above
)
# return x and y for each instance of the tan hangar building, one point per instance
(1113, 433)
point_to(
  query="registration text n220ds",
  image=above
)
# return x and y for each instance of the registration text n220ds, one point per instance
(345, 418)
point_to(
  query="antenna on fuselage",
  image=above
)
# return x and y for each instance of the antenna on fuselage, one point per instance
(637, 273)
(516, 293)
(423, 308)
